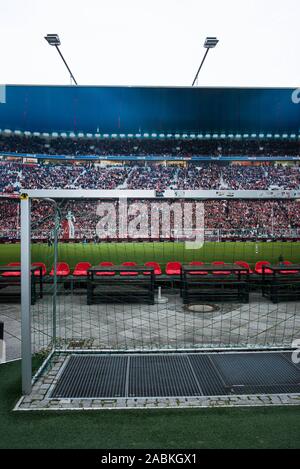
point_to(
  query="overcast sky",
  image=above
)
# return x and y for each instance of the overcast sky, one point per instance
(151, 42)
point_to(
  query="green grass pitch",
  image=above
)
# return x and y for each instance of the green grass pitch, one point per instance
(276, 427)
(161, 252)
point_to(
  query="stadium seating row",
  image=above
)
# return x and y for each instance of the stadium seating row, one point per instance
(172, 269)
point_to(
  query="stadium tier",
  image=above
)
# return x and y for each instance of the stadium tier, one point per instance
(160, 145)
(223, 219)
(208, 176)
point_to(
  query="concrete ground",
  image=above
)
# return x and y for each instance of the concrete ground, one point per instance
(140, 326)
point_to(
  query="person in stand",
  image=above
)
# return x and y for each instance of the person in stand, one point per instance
(49, 241)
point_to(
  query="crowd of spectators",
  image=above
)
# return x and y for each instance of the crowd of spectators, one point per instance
(149, 146)
(248, 219)
(213, 176)
(251, 219)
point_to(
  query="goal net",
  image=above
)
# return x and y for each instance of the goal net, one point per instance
(115, 275)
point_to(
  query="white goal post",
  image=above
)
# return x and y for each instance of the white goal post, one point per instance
(26, 198)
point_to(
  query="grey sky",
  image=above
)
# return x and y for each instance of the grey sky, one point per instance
(151, 42)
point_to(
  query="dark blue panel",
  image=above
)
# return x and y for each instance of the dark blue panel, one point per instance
(138, 109)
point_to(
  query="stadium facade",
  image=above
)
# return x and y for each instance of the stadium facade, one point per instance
(147, 110)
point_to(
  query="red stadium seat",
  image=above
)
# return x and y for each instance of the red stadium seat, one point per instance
(288, 272)
(12, 274)
(198, 272)
(81, 269)
(62, 270)
(129, 264)
(246, 265)
(220, 272)
(108, 273)
(157, 269)
(259, 265)
(37, 272)
(173, 268)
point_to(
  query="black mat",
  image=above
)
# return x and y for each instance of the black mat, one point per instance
(177, 375)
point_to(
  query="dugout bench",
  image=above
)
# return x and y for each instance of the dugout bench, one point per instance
(200, 284)
(120, 284)
(283, 284)
(8, 292)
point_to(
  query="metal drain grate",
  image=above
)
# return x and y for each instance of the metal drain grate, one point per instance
(87, 376)
(257, 372)
(162, 375)
(176, 375)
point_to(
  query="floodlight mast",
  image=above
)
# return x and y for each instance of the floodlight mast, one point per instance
(210, 43)
(53, 40)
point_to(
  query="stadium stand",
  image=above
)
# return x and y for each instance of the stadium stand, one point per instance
(233, 219)
(209, 176)
(147, 146)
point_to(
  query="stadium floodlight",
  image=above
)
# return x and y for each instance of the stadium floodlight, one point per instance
(210, 43)
(284, 135)
(293, 136)
(146, 135)
(53, 40)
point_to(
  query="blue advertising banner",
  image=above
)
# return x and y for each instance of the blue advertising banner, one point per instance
(144, 109)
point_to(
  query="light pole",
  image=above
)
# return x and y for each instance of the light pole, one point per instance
(210, 43)
(53, 40)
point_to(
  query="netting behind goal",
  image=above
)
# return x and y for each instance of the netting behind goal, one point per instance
(138, 309)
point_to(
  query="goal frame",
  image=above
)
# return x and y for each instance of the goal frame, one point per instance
(26, 198)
